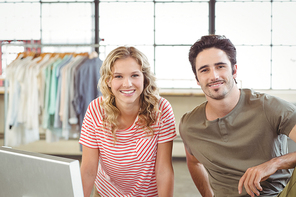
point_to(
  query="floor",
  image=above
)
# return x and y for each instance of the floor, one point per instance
(184, 185)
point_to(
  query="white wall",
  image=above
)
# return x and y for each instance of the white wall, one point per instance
(181, 102)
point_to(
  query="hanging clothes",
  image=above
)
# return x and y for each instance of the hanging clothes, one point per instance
(18, 130)
(42, 92)
(85, 90)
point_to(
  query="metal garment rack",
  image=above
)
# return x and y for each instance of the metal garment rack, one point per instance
(34, 45)
(29, 45)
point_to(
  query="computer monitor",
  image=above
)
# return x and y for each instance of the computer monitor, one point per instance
(27, 174)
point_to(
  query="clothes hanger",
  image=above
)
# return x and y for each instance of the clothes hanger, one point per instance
(93, 55)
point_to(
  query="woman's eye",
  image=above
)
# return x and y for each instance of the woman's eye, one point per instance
(117, 76)
(135, 75)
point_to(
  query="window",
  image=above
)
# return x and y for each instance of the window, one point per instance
(263, 32)
(163, 31)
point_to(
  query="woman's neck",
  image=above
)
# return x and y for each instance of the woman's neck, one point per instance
(127, 117)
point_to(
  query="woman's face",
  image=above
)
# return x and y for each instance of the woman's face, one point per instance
(127, 82)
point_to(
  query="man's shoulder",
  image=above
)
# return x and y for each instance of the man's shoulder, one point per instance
(192, 120)
(250, 95)
(252, 92)
(268, 99)
(194, 114)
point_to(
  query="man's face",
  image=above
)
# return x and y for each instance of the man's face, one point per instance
(213, 70)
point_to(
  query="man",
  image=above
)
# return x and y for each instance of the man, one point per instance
(236, 142)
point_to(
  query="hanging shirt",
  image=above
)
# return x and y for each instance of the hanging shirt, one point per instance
(57, 120)
(86, 81)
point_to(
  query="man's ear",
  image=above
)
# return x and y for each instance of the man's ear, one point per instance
(197, 80)
(234, 71)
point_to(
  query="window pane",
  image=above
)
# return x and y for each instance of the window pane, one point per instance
(244, 0)
(184, 0)
(126, 1)
(180, 23)
(67, 23)
(285, 1)
(147, 50)
(284, 23)
(253, 65)
(126, 23)
(173, 69)
(67, 0)
(283, 67)
(17, 1)
(63, 49)
(20, 21)
(9, 53)
(244, 22)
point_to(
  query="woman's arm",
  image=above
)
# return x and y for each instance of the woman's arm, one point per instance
(164, 169)
(89, 167)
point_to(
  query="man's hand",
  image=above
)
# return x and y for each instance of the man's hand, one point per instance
(253, 176)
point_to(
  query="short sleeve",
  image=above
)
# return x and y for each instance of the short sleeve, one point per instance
(167, 122)
(183, 133)
(88, 129)
(280, 113)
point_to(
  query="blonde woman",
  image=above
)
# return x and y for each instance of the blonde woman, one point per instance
(127, 134)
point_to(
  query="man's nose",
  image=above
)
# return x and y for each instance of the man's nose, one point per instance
(214, 74)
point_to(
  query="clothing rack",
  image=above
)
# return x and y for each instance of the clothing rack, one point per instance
(32, 45)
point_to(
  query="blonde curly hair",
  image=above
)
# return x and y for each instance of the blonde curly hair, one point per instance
(149, 112)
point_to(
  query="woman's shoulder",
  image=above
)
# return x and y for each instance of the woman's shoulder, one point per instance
(97, 100)
(162, 100)
(164, 104)
(96, 104)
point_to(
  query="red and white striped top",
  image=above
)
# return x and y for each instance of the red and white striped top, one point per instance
(127, 167)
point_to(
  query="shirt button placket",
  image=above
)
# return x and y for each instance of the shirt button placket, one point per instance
(223, 130)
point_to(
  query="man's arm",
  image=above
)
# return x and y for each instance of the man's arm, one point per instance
(253, 176)
(199, 175)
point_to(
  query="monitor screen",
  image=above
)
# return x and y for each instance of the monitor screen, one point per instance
(28, 174)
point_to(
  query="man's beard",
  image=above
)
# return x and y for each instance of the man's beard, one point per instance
(225, 91)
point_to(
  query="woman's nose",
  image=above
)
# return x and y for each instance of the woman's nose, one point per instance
(127, 82)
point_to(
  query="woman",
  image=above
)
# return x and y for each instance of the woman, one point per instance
(128, 131)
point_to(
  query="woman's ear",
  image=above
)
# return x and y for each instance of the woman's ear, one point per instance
(109, 82)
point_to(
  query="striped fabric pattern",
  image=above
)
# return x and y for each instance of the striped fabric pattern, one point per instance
(127, 167)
